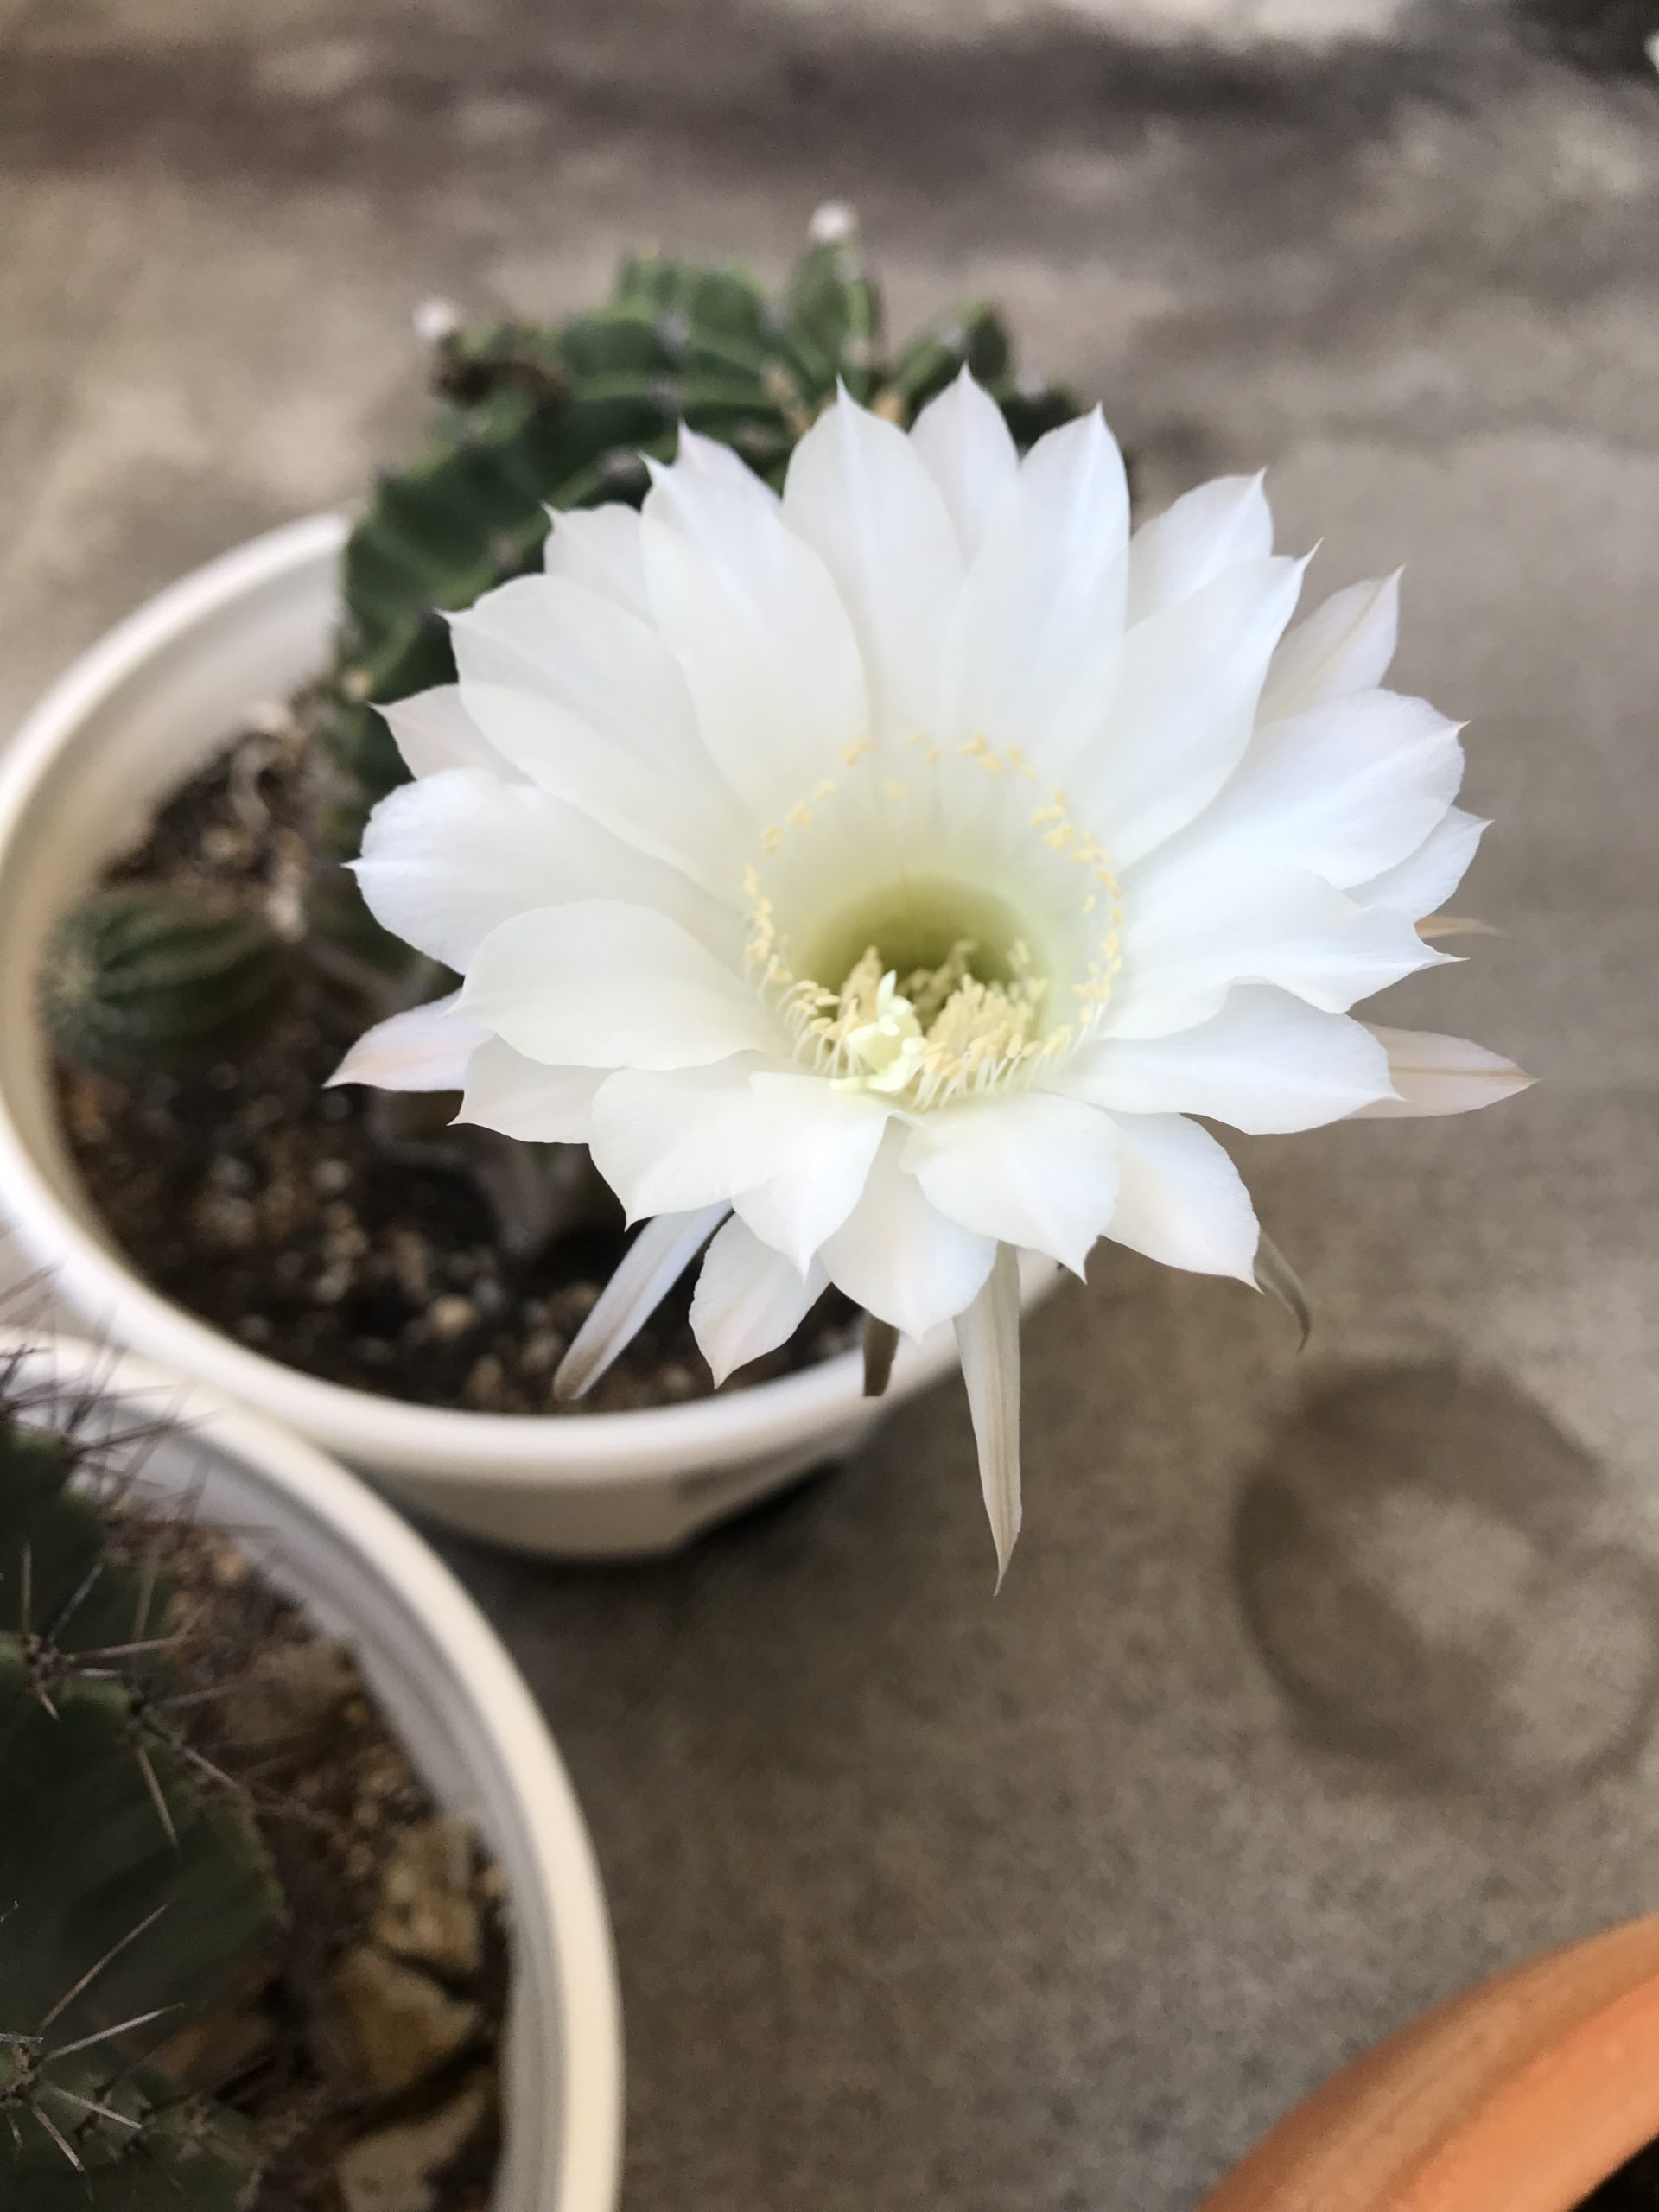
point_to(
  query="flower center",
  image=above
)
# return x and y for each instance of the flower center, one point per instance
(905, 1021)
(941, 1031)
(920, 982)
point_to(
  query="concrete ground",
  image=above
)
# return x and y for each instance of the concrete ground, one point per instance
(1320, 1685)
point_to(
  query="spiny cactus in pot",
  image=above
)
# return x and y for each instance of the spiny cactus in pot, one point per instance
(209, 2001)
(864, 861)
(135, 1892)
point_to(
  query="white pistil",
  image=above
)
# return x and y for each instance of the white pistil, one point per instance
(888, 1049)
(943, 1034)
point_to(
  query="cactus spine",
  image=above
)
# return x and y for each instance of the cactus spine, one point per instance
(134, 1897)
(142, 976)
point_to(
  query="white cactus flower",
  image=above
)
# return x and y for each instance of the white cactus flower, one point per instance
(878, 877)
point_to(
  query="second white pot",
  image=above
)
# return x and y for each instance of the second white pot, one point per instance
(455, 1702)
(128, 722)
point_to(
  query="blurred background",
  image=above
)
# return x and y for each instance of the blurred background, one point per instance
(1321, 1684)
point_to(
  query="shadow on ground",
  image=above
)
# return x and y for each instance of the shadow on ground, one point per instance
(1418, 1563)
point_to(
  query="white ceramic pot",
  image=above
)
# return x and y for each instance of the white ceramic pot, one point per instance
(133, 718)
(457, 1704)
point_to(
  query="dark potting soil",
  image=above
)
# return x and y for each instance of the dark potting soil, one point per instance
(364, 2053)
(350, 1233)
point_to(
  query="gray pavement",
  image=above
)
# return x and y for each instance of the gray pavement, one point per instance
(1320, 1685)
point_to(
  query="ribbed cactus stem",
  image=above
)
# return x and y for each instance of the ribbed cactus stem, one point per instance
(140, 976)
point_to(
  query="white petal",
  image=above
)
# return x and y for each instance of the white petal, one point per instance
(858, 493)
(701, 456)
(1266, 1062)
(1032, 1169)
(434, 731)
(821, 1144)
(427, 1048)
(599, 547)
(598, 984)
(988, 1336)
(1344, 646)
(901, 1260)
(523, 1099)
(665, 1142)
(966, 445)
(1346, 789)
(1441, 1075)
(448, 859)
(1191, 932)
(748, 1300)
(1422, 883)
(564, 641)
(677, 811)
(1207, 529)
(585, 699)
(649, 1269)
(798, 1148)
(766, 645)
(1177, 709)
(1181, 1200)
(1043, 605)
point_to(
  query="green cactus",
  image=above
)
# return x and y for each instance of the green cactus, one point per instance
(531, 416)
(538, 417)
(134, 1895)
(142, 976)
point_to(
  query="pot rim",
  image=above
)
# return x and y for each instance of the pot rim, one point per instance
(530, 1786)
(1523, 2093)
(586, 1450)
